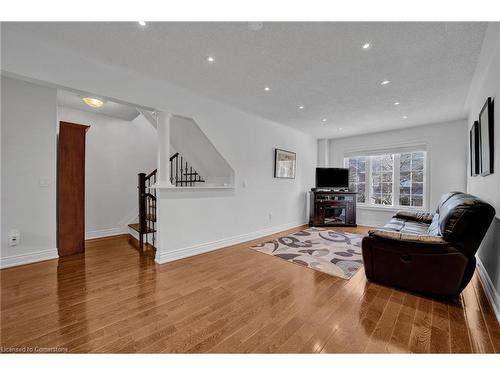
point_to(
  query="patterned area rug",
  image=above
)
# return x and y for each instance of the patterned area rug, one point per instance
(332, 252)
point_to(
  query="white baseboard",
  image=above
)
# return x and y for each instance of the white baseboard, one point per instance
(32, 257)
(105, 233)
(147, 238)
(489, 288)
(189, 251)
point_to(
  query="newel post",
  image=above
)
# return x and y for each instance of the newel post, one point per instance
(141, 187)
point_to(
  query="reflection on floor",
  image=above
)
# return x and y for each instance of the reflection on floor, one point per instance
(115, 299)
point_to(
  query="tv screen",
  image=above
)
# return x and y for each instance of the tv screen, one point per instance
(332, 178)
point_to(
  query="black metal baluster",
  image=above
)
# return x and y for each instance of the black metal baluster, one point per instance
(176, 171)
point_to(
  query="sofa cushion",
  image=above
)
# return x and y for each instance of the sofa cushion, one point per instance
(462, 212)
(434, 227)
(423, 216)
(408, 237)
(444, 198)
(397, 224)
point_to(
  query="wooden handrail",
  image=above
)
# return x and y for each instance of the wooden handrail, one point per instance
(151, 174)
(174, 156)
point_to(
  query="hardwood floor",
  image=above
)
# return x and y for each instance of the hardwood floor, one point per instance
(115, 299)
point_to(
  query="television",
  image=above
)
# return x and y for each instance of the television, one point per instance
(332, 178)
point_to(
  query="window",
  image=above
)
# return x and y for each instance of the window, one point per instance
(394, 180)
(382, 171)
(411, 179)
(357, 176)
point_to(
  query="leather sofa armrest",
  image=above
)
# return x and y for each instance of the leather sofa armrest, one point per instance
(422, 216)
(424, 239)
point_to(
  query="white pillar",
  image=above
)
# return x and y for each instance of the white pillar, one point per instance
(163, 148)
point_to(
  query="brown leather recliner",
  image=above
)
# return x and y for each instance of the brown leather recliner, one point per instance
(429, 253)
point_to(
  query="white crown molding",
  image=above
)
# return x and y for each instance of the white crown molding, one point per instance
(489, 289)
(170, 256)
(32, 257)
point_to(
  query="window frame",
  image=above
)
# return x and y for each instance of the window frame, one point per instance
(395, 181)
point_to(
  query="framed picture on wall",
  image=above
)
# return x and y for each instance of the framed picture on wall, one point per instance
(284, 163)
(474, 149)
(486, 138)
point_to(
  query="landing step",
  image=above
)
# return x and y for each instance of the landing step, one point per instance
(137, 228)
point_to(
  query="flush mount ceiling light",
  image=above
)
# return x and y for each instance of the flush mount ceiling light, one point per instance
(366, 46)
(323, 120)
(267, 88)
(386, 82)
(301, 107)
(142, 23)
(93, 102)
(210, 59)
(340, 129)
(396, 103)
(405, 117)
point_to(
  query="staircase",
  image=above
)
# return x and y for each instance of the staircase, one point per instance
(181, 174)
(146, 227)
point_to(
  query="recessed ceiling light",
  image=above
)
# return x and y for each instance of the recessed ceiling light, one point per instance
(93, 102)
(255, 26)
(323, 120)
(340, 129)
(405, 117)
(142, 23)
(301, 107)
(396, 103)
(366, 46)
(210, 59)
(267, 88)
(383, 83)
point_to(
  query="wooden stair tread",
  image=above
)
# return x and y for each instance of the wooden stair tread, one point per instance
(137, 228)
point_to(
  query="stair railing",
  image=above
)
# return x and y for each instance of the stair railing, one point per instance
(147, 207)
(182, 173)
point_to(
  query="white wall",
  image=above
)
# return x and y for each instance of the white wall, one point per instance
(116, 151)
(245, 141)
(323, 152)
(446, 156)
(259, 204)
(187, 138)
(28, 161)
(486, 83)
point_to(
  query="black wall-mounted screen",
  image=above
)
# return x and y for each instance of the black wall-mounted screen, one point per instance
(332, 178)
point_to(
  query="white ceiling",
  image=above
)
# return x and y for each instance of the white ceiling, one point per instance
(321, 66)
(110, 109)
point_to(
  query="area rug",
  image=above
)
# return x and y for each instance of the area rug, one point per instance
(333, 252)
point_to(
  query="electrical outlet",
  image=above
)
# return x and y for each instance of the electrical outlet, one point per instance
(44, 181)
(14, 237)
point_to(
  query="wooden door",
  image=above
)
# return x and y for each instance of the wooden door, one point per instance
(71, 188)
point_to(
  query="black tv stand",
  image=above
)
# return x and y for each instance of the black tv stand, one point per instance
(332, 208)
